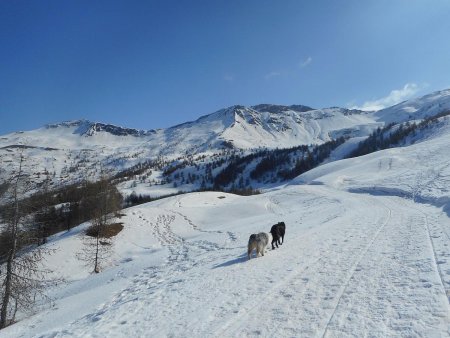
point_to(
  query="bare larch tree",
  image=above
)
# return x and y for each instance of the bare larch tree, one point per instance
(105, 202)
(22, 276)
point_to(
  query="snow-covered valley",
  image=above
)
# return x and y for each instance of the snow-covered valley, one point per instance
(224, 169)
(367, 250)
(366, 254)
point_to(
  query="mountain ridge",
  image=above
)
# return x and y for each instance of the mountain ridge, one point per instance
(71, 150)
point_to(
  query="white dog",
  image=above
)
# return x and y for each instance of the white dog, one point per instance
(258, 242)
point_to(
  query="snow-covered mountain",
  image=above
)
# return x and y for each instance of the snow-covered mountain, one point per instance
(239, 126)
(366, 254)
(70, 151)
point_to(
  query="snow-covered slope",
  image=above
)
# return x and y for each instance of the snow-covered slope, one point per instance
(416, 109)
(366, 253)
(292, 128)
(420, 172)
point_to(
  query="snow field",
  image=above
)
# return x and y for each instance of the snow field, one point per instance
(352, 265)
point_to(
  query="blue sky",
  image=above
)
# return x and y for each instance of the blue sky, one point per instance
(154, 64)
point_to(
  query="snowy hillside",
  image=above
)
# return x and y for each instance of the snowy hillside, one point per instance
(366, 254)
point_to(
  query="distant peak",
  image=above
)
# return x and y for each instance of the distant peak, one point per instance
(237, 106)
(233, 109)
(68, 124)
(115, 130)
(89, 128)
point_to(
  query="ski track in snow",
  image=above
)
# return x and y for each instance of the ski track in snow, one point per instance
(300, 289)
(394, 284)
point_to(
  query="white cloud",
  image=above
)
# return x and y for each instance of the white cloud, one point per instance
(394, 97)
(271, 75)
(306, 62)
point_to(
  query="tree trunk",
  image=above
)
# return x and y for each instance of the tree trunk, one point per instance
(7, 294)
(97, 242)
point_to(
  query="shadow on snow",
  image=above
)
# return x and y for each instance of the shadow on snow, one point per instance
(441, 202)
(241, 259)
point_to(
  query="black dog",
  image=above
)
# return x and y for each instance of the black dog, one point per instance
(278, 230)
